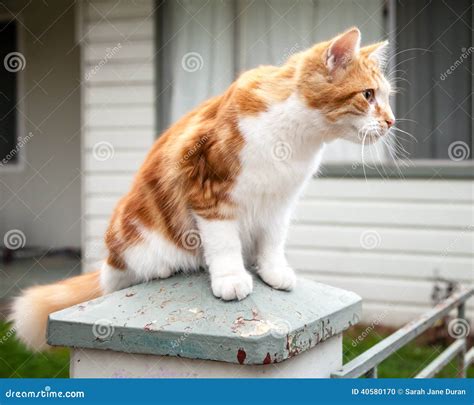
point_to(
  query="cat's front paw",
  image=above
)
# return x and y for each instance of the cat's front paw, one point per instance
(232, 286)
(280, 278)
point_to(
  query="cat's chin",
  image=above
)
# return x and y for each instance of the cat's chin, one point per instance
(369, 139)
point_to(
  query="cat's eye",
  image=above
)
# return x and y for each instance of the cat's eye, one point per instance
(369, 95)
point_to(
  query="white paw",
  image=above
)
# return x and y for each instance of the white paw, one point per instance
(233, 286)
(281, 278)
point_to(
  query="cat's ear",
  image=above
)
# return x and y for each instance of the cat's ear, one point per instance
(343, 49)
(378, 52)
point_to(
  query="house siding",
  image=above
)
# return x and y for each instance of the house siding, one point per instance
(35, 191)
(387, 240)
(118, 108)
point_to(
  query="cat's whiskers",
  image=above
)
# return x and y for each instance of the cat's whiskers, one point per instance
(405, 132)
(407, 119)
(390, 144)
(402, 154)
(407, 50)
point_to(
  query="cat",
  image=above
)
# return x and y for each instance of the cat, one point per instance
(218, 187)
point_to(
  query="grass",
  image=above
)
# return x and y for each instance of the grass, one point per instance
(16, 361)
(406, 362)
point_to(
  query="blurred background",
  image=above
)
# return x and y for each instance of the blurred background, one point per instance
(87, 86)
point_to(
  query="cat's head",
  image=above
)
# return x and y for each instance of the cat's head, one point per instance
(347, 85)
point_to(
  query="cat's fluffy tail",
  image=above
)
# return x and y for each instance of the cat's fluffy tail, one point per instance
(30, 310)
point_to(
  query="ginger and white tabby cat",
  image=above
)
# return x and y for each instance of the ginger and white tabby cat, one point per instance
(214, 191)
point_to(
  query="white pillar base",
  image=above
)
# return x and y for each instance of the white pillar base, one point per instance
(317, 362)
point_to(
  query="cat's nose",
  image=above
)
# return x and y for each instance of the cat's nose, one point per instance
(390, 122)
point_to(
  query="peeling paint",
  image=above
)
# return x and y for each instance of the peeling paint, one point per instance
(268, 329)
(241, 355)
(267, 359)
(164, 303)
(253, 327)
(148, 326)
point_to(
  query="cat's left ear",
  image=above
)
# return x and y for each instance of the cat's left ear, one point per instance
(343, 49)
(377, 52)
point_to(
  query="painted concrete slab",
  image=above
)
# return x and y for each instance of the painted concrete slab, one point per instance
(179, 316)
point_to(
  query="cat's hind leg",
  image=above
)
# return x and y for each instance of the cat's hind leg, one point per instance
(113, 279)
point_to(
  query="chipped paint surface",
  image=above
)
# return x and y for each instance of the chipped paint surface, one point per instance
(241, 356)
(267, 359)
(253, 327)
(180, 317)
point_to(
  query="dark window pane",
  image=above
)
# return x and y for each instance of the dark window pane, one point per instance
(8, 76)
(437, 76)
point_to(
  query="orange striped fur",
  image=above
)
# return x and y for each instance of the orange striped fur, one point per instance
(213, 173)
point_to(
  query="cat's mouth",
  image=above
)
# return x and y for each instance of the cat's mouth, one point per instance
(373, 137)
(371, 133)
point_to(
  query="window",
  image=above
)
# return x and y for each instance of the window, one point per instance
(436, 78)
(202, 46)
(11, 62)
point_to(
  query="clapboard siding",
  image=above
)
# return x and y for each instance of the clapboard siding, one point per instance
(115, 184)
(400, 213)
(118, 107)
(122, 74)
(100, 10)
(120, 138)
(119, 116)
(131, 29)
(389, 190)
(110, 95)
(384, 239)
(422, 233)
(381, 313)
(129, 51)
(374, 289)
(368, 264)
(121, 162)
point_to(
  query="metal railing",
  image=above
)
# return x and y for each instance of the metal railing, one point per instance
(366, 364)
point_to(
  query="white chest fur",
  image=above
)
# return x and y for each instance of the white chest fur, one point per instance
(283, 148)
